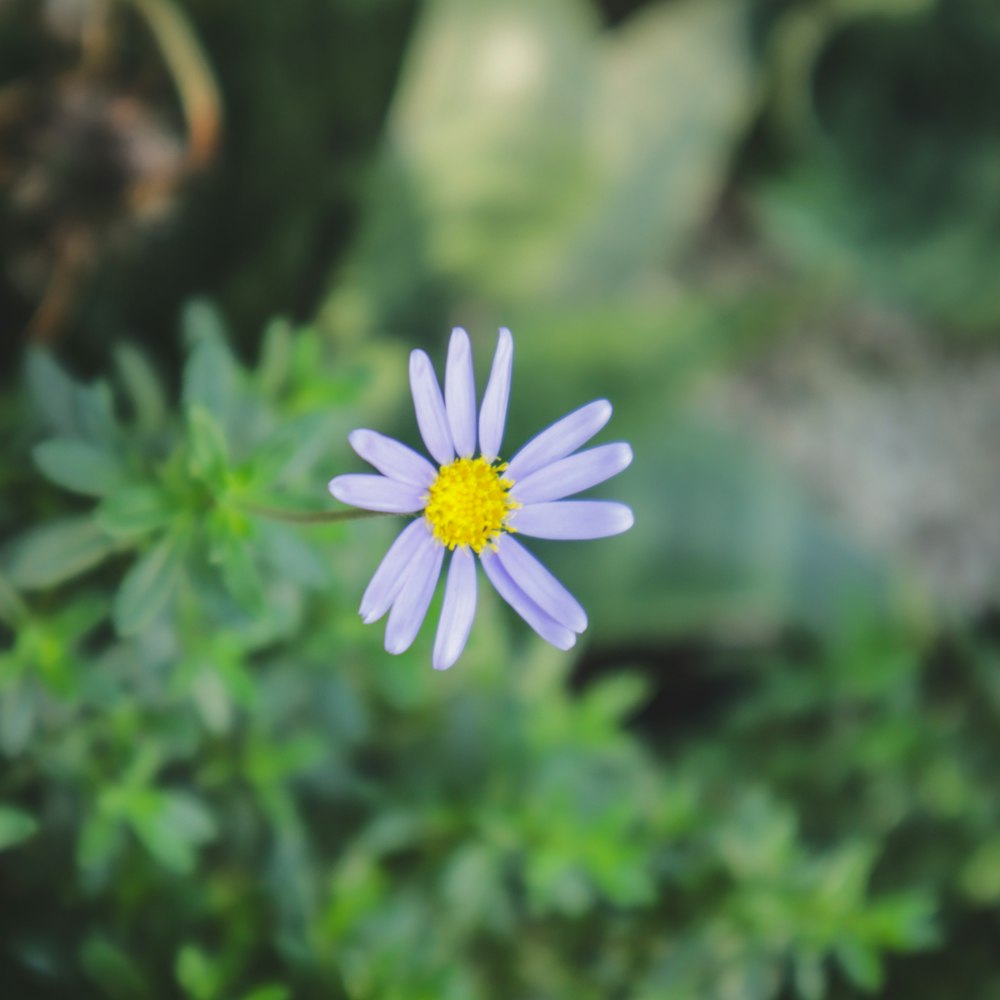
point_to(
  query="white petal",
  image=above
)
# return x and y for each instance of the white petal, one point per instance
(392, 458)
(378, 493)
(457, 610)
(410, 608)
(432, 419)
(493, 412)
(545, 625)
(460, 393)
(540, 585)
(573, 474)
(572, 519)
(559, 440)
(388, 580)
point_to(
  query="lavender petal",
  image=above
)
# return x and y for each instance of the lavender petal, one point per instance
(560, 439)
(392, 458)
(457, 610)
(432, 418)
(546, 626)
(493, 412)
(410, 608)
(460, 393)
(390, 576)
(540, 585)
(573, 474)
(378, 493)
(572, 519)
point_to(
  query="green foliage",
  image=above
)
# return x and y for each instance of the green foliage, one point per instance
(770, 773)
(249, 800)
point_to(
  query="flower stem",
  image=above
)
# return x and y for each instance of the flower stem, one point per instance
(310, 516)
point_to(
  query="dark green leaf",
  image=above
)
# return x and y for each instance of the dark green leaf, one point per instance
(112, 969)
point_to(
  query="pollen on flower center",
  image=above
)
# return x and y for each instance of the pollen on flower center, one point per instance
(468, 503)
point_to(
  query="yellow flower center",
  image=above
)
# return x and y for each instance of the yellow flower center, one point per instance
(468, 503)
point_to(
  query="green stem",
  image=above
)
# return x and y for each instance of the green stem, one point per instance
(311, 516)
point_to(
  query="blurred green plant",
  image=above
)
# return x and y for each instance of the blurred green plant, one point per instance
(233, 792)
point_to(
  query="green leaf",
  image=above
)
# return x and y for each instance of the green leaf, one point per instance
(57, 552)
(142, 386)
(72, 409)
(52, 390)
(198, 974)
(148, 586)
(980, 876)
(861, 964)
(16, 826)
(12, 608)
(207, 446)
(112, 969)
(80, 467)
(269, 991)
(233, 555)
(210, 373)
(172, 825)
(134, 512)
(18, 713)
(275, 357)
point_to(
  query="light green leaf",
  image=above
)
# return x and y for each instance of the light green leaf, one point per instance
(172, 825)
(15, 826)
(148, 586)
(142, 386)
(135, 511)
(80, 467)
(269, 991)
(207, 444)
(72, 409)
(57, 552)
(275, 356)
(198, 974)
(51, 389)
(861, 964)
(234, 557)
(980, 876)
(211, 372)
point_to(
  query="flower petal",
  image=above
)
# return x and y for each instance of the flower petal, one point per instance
(432, 419)
(460, 393)
(378, 493)
(546, 626)
(573, 474)
(392, 458)
(540, 585)
(557, 441)
(410, 608)
(493, 412)
(457, 610)
(572, 519)
(390, 576)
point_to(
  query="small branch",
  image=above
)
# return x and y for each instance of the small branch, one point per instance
(192, 73)
(311, 516)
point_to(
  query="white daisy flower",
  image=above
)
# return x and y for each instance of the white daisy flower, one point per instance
(474, 505)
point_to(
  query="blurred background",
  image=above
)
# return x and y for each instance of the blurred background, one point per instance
(768, 231)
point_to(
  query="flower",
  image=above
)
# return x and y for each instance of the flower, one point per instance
(474, 505)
